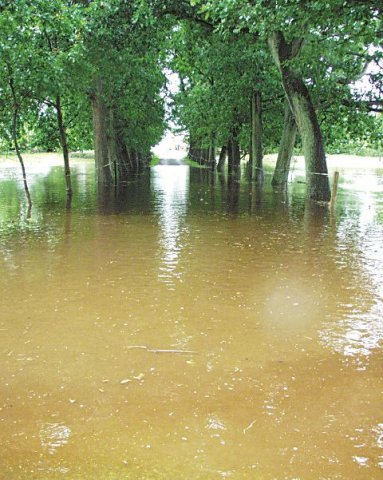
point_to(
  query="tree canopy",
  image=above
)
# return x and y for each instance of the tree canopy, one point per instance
(254, 76)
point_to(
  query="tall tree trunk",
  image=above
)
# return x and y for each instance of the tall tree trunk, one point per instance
(194, 151)
(123, 166)
(100, 128)
(14, 135)
(222, 158)
(251, 156)
(64, 144)
(236, 153)
(230, 165)
(305, 116)
(233, 151)
(212, 162)
(256, 136)
(19, 156)
(286, 147)
(112, 146)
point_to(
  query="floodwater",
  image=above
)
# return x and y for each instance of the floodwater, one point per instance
(190, 327)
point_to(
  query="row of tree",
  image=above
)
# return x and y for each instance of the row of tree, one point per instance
(257, 73)
(80, 72)
(254, 76)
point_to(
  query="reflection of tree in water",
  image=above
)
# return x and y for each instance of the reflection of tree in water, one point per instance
(50, 217)
(342, 254)
(233, 191)
(135, 196)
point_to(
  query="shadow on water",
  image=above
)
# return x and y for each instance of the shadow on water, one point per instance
(132, 197)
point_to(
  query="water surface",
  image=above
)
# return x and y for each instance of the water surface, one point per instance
(187, 326)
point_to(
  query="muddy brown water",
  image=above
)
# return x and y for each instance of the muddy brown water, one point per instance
(189, 326)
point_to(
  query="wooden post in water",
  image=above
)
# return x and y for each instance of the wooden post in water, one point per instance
(334, 189)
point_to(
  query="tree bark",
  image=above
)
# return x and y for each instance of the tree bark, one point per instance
(100, 129)
(212, 152)
(14, 135)
(64, 144)
(19, 156)
(256, 137)
(229, 156)
(233, 150)
(286, 147)
(236, 153)
(304, 112)
(212, 161)
(222, 158)
(195, 153)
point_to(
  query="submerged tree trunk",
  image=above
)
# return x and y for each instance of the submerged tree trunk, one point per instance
(100, 129)
(14, 135)
(303, 109)
(212, 162)
(234, 152)
(113, 147)
(256, 137)
(234, 155)
(64, 144)
(19, 156)
(115, 160)
(196, 153)
(286, 147)
(229, 157)
(222, 158)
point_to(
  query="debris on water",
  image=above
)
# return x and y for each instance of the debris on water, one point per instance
(362, 461)
(125, 381)
(249, 426)
(156, 350)
(139, 377)
(161, 350)
(72, 400)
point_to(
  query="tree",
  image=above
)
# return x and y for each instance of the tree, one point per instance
(15, 74)
(126, 84)
(222, 83)
(287, 27)
(47, 37)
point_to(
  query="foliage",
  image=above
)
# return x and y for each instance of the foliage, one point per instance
(341, 41)
(64, 49)
(126, 58)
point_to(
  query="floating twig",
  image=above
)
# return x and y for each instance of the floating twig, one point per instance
(249, 426)
(161, 350)
(158, 350)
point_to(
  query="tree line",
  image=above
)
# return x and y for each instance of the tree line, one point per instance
(255, 76)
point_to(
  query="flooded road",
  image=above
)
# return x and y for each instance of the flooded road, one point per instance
(190, 327)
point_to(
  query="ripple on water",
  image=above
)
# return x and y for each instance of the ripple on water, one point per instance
(354, 337)
(53, 436)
